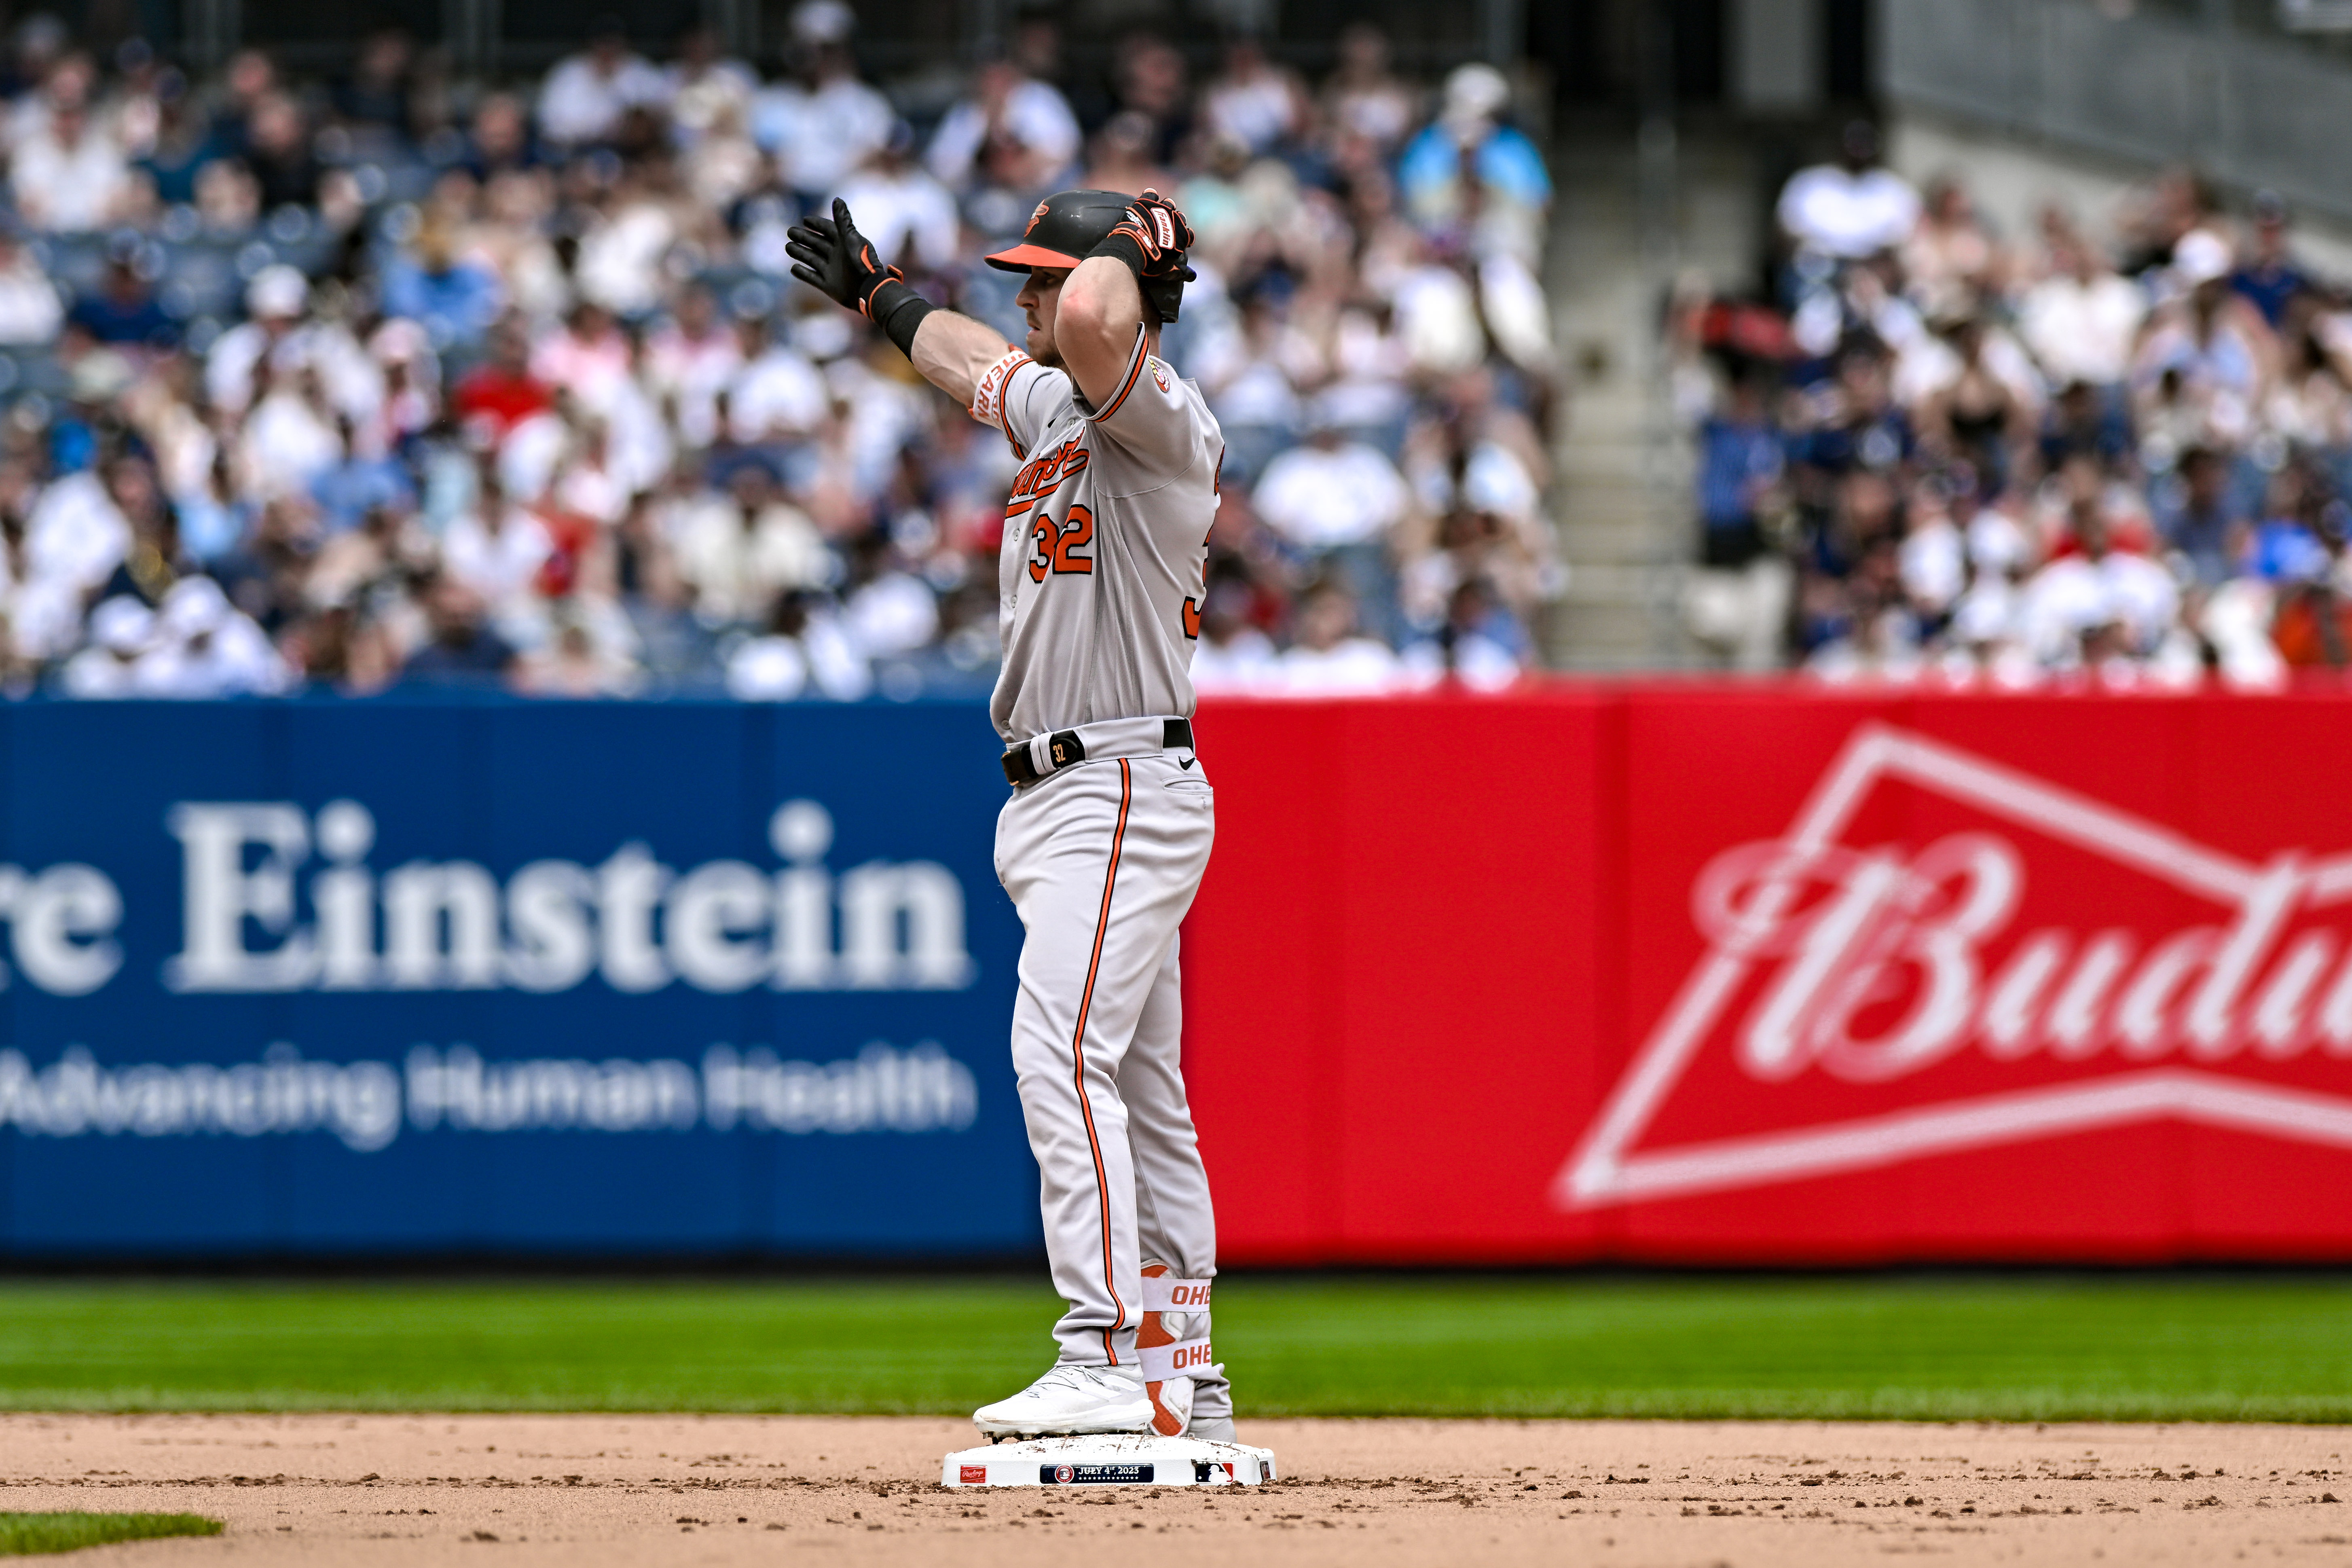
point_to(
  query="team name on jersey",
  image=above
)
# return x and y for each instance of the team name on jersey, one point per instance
(1044, 474)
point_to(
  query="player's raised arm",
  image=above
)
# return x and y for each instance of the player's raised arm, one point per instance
(1102, 300)
(952, 352)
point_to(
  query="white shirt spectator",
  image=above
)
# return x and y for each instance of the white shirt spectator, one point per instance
(585, 96)
(501, 562)
(1370, 366)
(287, 442)
(1356, 666)
(1494, 479)
(779, 394)
(205, 647)
(2074, 595)
(818, 137)
(69, 179)
(2083, 331)
(1244, 662)
(1840, 213)
(702, 95)
(120, 632)
(30, 311)
(1934, 561)
(1319, 497)
(893, 614)
(620, 259)
(1034, 115)
(1479, 662)
(736, 568)
(352, 381)
(777, 668)
(908, 215)
(691, 371)
(1998, 543)
(1437, 320)
(1259, 109)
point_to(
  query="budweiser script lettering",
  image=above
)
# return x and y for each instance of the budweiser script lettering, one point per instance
(1906, 942)
(1871, 964)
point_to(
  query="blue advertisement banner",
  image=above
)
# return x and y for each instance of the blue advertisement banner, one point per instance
(410, 977)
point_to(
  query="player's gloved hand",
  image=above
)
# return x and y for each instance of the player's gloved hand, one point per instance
(1151, 237)
(831, 257)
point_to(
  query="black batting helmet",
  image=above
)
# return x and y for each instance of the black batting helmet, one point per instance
(1066, 225)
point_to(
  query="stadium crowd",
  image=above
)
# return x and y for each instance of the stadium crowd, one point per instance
(1939, 453)
(389, 378)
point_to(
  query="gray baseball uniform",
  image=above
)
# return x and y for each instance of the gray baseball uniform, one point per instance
(1105, 543)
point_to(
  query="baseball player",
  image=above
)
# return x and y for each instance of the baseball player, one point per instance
(1099, 580)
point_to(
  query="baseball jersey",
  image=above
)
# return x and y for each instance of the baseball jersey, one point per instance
(1100, 577)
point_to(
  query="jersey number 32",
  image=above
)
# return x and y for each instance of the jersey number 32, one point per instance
(1061, 548)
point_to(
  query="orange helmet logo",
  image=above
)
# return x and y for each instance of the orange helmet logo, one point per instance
(1035, 219)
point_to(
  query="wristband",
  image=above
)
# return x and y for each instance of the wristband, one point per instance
(1122, 248)
(899, 311)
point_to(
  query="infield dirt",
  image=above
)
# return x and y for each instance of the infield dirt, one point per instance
(586, 1490)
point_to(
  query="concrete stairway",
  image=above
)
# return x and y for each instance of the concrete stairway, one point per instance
(1623, 470)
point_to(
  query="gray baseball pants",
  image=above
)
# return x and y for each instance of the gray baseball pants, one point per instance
(1102, 861)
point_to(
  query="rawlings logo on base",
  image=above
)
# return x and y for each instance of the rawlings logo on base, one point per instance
(1988, 959)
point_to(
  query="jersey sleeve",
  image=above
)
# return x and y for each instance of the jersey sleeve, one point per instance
(1019, 396)
(1150, 416)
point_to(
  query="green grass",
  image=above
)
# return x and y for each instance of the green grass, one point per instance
(31, 1534)
(1965, 1347)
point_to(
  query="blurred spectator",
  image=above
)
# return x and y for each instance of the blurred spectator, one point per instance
(1472, 179)
(1365, 99)
(30, 312)
(123, 312)
(2198, 518)
(1337, 503)
(463, 649)
(706, 92)
(68, 176)
(453, 296)
(2269, 276)
(2141, 484)
(587, 95)
(1014, 132)
(1232, 654)
(2081, 320)
(913, 223)
(1851, 208)
(276, 152)
(1740, 603)
(823, 122)
(369, 380)
(1329, 657)
(1258, 103)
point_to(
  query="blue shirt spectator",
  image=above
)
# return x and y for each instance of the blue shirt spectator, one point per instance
(454, 300)
(1739, 458)
(124, 311)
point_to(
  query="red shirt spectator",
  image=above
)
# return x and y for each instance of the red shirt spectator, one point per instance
(500, 392)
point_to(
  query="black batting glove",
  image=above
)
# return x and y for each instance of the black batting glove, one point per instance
(831, 257)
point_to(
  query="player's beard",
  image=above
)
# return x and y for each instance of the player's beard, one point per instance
(1050, 357)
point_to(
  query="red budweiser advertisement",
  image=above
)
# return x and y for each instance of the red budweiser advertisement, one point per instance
(1746, 974)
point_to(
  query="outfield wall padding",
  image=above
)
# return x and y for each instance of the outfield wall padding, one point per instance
(1775, 976)
(1648, 972)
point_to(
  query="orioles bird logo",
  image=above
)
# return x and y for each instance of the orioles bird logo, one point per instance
(1035, 219)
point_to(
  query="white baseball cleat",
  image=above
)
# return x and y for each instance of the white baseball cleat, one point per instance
(1067, 1400)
